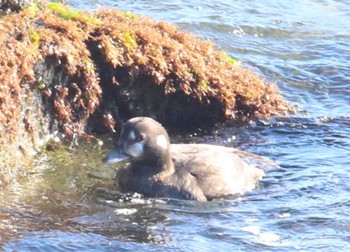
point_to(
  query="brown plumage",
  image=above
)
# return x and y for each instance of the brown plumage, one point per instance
(186, 171)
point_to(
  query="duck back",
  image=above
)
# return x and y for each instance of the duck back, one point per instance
(219, 171)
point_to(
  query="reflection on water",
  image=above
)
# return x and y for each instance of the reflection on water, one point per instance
(69, 202)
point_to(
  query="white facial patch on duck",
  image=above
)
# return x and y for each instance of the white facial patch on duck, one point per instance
(132, 135)
(135, 150)
(162, 142)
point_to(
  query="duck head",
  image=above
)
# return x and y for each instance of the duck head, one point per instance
(142, 140)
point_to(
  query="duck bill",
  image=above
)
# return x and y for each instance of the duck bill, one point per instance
(115, 156)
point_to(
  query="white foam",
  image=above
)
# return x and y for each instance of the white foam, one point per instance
(125, 211)
(264, 237)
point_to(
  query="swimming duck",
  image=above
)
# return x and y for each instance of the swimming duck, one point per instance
(184, 171)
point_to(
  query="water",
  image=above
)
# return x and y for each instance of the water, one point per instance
(303, 206)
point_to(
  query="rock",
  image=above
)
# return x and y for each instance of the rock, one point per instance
(67, 73)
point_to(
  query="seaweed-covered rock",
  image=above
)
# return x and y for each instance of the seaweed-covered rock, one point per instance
(70, 71)
(152, 68)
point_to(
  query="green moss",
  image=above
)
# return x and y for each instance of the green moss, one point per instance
(204, 83)
(34, 8)
(41, 85)
(88, 66)
(229, 58)
(129, 14)
(86, 96)
(91, 20)
(34, 37)
(62, 11)
(130, 41)
(67, 14)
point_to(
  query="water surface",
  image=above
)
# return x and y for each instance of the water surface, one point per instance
(69, 204)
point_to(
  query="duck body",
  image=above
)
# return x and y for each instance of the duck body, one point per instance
(184, 171)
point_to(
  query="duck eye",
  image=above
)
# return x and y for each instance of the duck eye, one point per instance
(140, 138)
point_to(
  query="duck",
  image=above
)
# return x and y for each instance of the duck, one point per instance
(157, 168)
